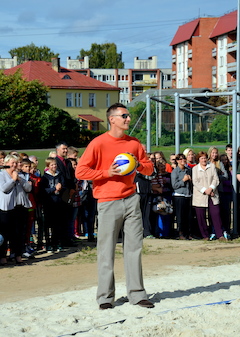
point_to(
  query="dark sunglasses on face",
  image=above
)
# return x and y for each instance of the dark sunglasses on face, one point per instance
(124, 116)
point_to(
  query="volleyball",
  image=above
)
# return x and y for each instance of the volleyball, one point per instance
(126, 163)
(1, 239)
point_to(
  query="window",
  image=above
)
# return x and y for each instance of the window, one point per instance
(139, 77)
(221, 61)
(69, 99)
(66, 77)
(107, 100)
(78, 99)
(126, 90)
(92, 100)
(152, 75)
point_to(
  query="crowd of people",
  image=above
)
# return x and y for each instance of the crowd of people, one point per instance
(46, 210)
(190, 198)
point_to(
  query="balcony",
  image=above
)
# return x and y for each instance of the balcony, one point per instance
(214, 85)
(231, 47)
(190, 71)
(214, 52)
(145, 83)
(214, 70)
(232, 67)
(232, 84)
(174, 58)
(190, 53)
(173, 75)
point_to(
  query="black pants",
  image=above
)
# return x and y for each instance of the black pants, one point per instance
(183, 214)
(13, 228)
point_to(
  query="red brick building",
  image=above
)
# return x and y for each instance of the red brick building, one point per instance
(204, 53)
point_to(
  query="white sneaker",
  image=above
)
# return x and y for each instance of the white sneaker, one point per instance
(212, 237)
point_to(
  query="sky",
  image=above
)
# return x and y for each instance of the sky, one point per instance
(138, 28)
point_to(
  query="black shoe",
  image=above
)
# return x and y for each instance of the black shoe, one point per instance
(145, 304)
(105, 306)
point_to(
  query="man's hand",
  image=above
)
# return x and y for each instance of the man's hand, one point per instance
(114, 170)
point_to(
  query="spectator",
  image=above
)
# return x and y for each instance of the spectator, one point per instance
(182, 185)
(159, 156)
(52, 187)
(228, 151)
(14, 204)
(205, 196)
(190, 156)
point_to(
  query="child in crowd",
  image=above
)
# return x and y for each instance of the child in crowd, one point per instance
(52, 187)
(25, 174)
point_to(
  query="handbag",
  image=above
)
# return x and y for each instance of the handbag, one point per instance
(162, 206)
(68, 196)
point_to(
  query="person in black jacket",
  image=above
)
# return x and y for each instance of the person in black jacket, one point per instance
(52, 187)
(64, 166)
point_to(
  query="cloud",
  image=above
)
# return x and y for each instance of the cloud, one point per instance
(26, 17)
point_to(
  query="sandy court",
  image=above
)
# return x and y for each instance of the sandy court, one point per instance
(54, 294)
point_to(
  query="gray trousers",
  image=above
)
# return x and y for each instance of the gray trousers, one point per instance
(112, 217)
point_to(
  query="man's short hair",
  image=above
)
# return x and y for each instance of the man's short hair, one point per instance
(61, 143)
(114, 107)
(229, 146)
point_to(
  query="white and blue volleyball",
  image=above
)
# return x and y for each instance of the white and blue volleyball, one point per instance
(1, 239)
(126, 163)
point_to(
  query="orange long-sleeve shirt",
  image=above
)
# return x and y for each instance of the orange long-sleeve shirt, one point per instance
(97, 158)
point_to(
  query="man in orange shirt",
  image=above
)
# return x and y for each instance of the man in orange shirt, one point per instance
(118, 206)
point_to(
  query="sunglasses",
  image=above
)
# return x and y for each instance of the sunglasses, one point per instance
(124, 116)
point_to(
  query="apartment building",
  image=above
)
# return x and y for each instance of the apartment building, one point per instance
(192, 59)
(224, 36)
(204, 53)
(145, 75)
(7, 63)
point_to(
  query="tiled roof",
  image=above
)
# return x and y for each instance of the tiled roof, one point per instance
(185, 32)
(64, 79)
(90, 118)
(226, 23)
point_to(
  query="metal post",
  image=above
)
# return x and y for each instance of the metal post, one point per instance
(156, 112)
(238, 72)
(148, 119)
(160, 108)
(177, 122)
(234, 159)
(191, 130)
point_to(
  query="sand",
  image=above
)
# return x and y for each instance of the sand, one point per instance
(194, 285)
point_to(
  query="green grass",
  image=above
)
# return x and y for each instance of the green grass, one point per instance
(42, 154)
(168, 150)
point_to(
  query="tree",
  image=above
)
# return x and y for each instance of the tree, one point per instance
(32, 52)
(26, 120)
(103, 56)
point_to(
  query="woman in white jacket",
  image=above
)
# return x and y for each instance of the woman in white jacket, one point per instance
(205, 195)
(14, 204)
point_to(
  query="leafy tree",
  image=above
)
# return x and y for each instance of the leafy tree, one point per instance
(26, 120)
(33, 52)
(103, 56)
